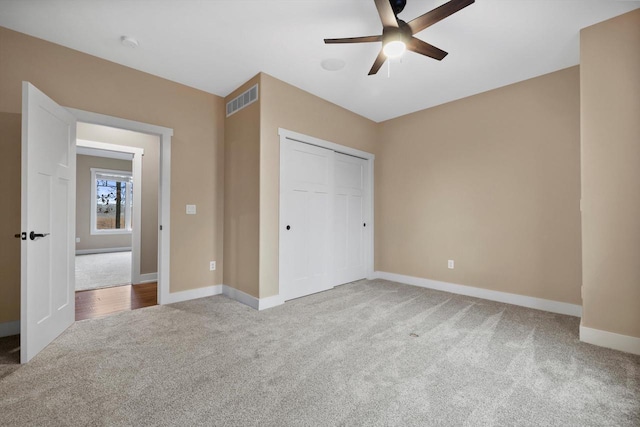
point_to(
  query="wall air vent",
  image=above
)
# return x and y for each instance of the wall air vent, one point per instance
(239, 102)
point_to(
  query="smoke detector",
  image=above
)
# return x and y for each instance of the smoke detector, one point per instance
(129, 42)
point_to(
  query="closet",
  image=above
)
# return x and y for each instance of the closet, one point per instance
(325, 205)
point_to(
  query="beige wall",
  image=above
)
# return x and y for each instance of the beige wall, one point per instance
(10, 155)
(285, 106)
(610, 113)
(491, 181)
(241, 189)
(81, 81)
(150, 175)
(84, 205)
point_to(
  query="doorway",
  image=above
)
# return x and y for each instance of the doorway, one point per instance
(163, 228)
(117, 181)
(116, 207)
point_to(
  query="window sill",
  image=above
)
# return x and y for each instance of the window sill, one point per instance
(109, 232)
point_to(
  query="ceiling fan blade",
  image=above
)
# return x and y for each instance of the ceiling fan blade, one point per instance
(365, 39)
(385, 11)
(378, 63)
(424, 48)
(437, 14)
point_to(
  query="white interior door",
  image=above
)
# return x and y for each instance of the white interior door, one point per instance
(349, 218)
(306, 209)
(48, 221)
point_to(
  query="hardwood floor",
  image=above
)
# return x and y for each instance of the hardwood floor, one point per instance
(101, 302)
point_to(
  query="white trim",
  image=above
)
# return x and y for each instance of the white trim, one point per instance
(369, 195)
(148, 278)
(295, 136)
(250, 300)
(85, 151)
(8, 329)
(612, 340)
(104, 149)
(505, 297)
(207, 291)
(228, 291)
(164, 190)
(241, 297)
(101, 250)
(269, 302)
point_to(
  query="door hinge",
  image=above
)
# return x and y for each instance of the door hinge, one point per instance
(160, 228)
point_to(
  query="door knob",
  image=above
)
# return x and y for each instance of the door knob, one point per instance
(33, 235)
(288, 227)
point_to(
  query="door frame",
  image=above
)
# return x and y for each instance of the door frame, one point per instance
(369, 192)
(164, 186)
(136, 173)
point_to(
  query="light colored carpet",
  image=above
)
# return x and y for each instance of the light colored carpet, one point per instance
(95, 271)
(371, 353)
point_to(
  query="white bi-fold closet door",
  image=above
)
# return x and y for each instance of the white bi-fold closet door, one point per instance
(323, 218)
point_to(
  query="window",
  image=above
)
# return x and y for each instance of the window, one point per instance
(111, 201)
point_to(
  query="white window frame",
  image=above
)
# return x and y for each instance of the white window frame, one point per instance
(94, 201)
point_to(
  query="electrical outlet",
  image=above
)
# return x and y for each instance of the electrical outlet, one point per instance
(77, 240)
(450, 264)
(191, 209)
(212, 265)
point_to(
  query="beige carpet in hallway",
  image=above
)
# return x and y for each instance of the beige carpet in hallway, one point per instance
(95, 271)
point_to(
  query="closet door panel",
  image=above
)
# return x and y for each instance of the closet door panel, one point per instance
(349, 218)
(306, 209)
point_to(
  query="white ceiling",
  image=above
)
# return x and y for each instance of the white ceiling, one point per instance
(217, 45)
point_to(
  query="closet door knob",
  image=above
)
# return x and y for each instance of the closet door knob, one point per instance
(288, 227)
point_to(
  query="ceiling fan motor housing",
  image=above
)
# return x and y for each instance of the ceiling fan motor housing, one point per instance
(398, 6)
(401, 33)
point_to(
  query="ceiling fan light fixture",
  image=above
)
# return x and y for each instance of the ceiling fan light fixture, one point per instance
(394, 48)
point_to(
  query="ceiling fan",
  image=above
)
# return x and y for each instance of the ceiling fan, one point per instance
(397, 35)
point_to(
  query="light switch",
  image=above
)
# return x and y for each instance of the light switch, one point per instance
(191, 209)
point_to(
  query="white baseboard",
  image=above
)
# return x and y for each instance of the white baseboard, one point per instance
(515, 299)
(241, 297)
(207, 291)
(612, 340)
(270, 302)
(101, 251)
(233, 293)
(148, 277)
(8, 329)
(250, 300)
